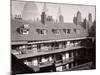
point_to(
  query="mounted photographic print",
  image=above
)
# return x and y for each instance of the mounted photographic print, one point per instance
(52, 37)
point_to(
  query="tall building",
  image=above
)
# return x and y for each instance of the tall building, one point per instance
(79, 18)
(61, 18)
(90, 23)
(85, 25)
(90, 17)
(75, 20)
(43, 17)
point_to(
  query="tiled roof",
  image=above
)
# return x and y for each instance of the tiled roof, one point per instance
(33, 35)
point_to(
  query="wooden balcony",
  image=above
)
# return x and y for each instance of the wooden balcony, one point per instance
(34, 54)
(85, 66)
(82, 66)
(63, 62)
(49, 63)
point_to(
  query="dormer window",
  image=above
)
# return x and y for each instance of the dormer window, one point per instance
(56, 31)
(74, 30)
(42, 31)
(67, 31)
(24, 29)
(77, 31)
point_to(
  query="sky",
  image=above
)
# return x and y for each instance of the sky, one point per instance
(34, 10)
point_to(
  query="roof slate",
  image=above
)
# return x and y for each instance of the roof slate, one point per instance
(33, 35)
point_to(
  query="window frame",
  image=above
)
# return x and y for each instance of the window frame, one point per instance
(42, 31)
(67, 31)
(56, 31)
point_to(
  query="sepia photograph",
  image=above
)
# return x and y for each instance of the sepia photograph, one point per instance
(52, 37)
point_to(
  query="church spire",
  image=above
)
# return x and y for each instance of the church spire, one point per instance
(61, 18)
(79, 18)
(45, 8)
(59, 11)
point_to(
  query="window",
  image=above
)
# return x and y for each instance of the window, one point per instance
(42, 31)
(34, 48)
(44, 47)
(24, 29)
(67, 31)
(77, 30)
(39, 31)
(59, 69)
(44, 59)
(65, 56)
(64, 30)
(26, 62)
(35, 62)
(56, 31)
(22, 47)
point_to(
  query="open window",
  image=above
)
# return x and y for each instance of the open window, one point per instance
(56, 31)
(76, 30)
(42, 31)
(67, 31)
(24, 29)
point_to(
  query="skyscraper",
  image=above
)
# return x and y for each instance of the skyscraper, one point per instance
(61, 18)
(75, 20)
(90, 17)
(85, 25)
(90, 20)
(78, 18)
(43, 15)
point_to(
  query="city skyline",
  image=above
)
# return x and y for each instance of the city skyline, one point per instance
(67, 10)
